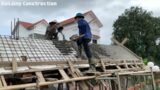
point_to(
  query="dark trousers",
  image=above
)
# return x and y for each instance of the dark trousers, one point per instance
(85, 43)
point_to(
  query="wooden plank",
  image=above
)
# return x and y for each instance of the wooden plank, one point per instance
(103, 66)
(124, 41)
(78, 72)
(83, 85)
(118, 81)
(3, 81)
(47, 83)
(73, 74)
(103, 83)
(153, 80)
(63, 74)
(14, 65)
(118, 43)
(124, 61)
(40, 76)
(71, 66)
(119, 67)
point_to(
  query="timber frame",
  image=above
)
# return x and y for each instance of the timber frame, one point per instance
(70, 72)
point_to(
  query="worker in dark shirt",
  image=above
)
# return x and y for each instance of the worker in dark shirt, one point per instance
(51, 32)
(86, 35)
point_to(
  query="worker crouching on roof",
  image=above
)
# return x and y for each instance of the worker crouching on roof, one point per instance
(51, 32)
(86, 35)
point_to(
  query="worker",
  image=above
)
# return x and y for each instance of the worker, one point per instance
(85, 38)
(60, 33)
(51, 32)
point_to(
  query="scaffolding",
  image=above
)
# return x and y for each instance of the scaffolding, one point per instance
(36, 63)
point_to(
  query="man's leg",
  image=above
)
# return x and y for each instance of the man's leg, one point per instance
(88, 53)
(79, 43)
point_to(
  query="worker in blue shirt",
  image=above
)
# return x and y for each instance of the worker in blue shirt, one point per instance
(85, 37)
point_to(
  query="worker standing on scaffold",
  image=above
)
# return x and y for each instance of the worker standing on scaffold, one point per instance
(86, 35)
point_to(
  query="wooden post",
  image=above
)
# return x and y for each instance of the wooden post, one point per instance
(40, 77)
(103, 66)
(14, 65)
(60, 86)
(37, 84)
(153, 80)
(118, 80)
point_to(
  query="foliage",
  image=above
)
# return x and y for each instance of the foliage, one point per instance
(142, 30)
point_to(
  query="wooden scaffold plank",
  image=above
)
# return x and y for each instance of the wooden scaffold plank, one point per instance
(103, 65)
(40, 76)
(63, 74)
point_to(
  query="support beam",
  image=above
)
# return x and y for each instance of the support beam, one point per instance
(3, 81)
(124, 61)
(40, 77)
(103, 65)
(14, 65)
(124, 41)
(63, 74)
(71, 66)
(46, 83)
(153, 80)
(118, 81)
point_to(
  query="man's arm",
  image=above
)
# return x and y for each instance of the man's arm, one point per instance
(76, 37)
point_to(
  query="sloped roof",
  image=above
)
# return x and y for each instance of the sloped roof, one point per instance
(72, 20)
(36, 50)
(28, 24)
(25, 24)
(46, 50)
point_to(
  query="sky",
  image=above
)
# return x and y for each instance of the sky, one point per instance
(106, 10)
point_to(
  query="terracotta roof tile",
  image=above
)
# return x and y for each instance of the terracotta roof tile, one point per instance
(25, 24)
(28, 25)
(71, 20)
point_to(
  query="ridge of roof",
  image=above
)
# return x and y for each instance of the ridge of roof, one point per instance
(71, 20)
(28, 24)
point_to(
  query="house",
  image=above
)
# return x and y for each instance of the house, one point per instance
(27, 29)
(37, 30)
(70, 26)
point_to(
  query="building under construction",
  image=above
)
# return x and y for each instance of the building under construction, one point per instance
(39, 64)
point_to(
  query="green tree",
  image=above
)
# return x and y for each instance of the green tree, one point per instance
(142, 30)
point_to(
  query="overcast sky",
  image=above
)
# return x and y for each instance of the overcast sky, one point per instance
(106, 10)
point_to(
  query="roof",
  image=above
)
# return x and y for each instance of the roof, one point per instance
(72, 20)
(36, 50)
(28, 24)
(114, 52)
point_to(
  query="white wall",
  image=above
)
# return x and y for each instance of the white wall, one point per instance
(69, 30)
(72, 29)
(23, 32)
(40, 28)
